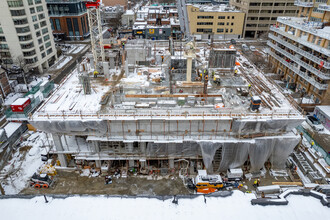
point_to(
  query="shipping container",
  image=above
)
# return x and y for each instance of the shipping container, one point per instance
(20, 104)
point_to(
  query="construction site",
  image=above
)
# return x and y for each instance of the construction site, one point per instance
(160, 109)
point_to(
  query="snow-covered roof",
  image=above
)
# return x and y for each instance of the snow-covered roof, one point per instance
(20, 101)
(11, 127)
(325, 109)
(214, 8)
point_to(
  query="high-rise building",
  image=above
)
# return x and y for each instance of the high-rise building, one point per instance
(68, 19)
(300, 51)
(261, 14)
(26, 35)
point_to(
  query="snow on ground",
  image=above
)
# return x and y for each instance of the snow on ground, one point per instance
(15, 175)
(77, 49)
(237, 206)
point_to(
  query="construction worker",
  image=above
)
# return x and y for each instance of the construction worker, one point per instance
(162, 58)
(95, 74)
(312, 143)
(249, 86)
(255, 182)
(236, 71)
(123, 44)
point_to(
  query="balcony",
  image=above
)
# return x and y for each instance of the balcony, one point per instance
(300, 62)
(302, 41)
(300, 51)
(315, 28)
(324, 7)
(304, 3)
(309, 79)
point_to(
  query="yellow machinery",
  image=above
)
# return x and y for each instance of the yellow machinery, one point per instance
(207, 183)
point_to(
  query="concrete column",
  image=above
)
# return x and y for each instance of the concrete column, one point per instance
(59, 147)
(96, 149)
(47, 64)
(143, 147)
(129, 147)
(189, 67)
(171, 163)
(40, 69)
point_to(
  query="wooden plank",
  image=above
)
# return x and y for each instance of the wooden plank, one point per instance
(169, 95)
(287, 183)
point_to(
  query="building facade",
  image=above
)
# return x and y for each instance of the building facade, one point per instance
(219, 21)
(261, 14)
(25, 34)
(300, 50)
(68, 19)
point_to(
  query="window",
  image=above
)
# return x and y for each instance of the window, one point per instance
(29, 53)
(23, 29)
(52, 24)
(44, 31)
(30, 2)
(46, 37)
(42, 48)
(1, 31)
(232, 17)
(76, 26)
(231, 30)
(30, 61)
(49, 51)
(34, 18)
(204, 23)
(221, 23)
(32, 10)
(27, 46)
(48, 44)
(39, 8)
(17, 12)
(204, 30)
(25, 38)
(2, 39)
(41, 16)
(37, 1)
(4, 46)
(17, 3)
(220, 30)
(20, 21)
(70, 28)
(227, 23)
(221, 17)
(40, 41)
(36, 26)
(58, 24)
(43, 24)
(232, 24)
(228, 17)
(226, 30)
(254, 4)
(43, 55)
(38, 33)
(205, 17)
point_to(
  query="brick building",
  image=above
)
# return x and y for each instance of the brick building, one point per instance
(68, 19)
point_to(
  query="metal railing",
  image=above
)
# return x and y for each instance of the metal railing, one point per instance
(297, 60)
(304, 3)
(25, 114)
(308, 26)
(64, 1)
(301, 51)
(298, 72)
(305, 43)
(323, 7)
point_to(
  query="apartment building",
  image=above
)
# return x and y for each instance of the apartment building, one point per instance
(220, 21)
(300, 50)
(261, 14)
(68, 19)
(25, 34)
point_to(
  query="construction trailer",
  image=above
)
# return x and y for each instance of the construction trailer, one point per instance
(151, 122)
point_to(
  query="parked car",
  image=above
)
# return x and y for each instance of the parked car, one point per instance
(245, 47)
(314, 123)
(233, 41)
(253, 48)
